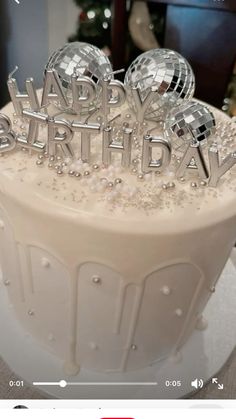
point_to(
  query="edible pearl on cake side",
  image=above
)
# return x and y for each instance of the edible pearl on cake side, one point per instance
(39, 163)
(201, 324)
(165, 290)
(93, 346)
(51, 337)
(97, 280)
(6, 283)
(134, 347)
(45, 263)
(179, 312)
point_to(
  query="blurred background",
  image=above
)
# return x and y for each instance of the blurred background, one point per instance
(203, 31)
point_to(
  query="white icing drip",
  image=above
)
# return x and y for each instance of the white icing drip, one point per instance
(133, 324)
(21, 272)
(119, 308)
(28, 268)
(72, 367)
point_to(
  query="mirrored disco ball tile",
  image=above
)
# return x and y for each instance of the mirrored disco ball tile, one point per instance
(165, 70)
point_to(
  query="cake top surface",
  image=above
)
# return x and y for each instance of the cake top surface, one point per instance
(120, 196)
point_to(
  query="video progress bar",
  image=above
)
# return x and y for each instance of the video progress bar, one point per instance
(64, 384)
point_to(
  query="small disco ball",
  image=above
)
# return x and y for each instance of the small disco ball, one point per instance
(168, 73)
(81, 59)
(190, 122)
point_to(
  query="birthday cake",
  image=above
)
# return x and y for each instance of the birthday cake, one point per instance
(117, 208)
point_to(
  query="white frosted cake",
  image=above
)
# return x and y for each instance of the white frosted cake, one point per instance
(110, 267)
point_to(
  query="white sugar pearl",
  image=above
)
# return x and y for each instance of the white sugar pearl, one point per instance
(45, 263)
(134, 347)
(179, 312)
(72, 166)
(171, 174)
(93, 346)
(51, 337)
(201, 324)
(111, 196)
(97, 280)
(165, 290)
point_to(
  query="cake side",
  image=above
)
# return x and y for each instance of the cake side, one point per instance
(117, 207)
(101, 289)
(107, 301)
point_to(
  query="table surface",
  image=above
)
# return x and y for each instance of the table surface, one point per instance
(227, 376)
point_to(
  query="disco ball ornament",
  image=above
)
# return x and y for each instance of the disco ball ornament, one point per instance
(168, 73)
(190, 122)
(81, 59)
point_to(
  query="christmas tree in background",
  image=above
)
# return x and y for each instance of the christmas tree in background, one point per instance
(94, 23)
(145, 27)
(144, 31)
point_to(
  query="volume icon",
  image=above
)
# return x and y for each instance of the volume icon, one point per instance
(197, 383)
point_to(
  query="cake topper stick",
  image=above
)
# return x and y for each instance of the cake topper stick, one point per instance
(13, 72)
(218, 170)
(122, 70)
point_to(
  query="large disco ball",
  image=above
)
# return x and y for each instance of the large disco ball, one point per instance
(81, 59)
(190, 122)
(168, 73)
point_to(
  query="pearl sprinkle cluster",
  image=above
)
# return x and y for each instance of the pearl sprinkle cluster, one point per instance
(128, 187)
